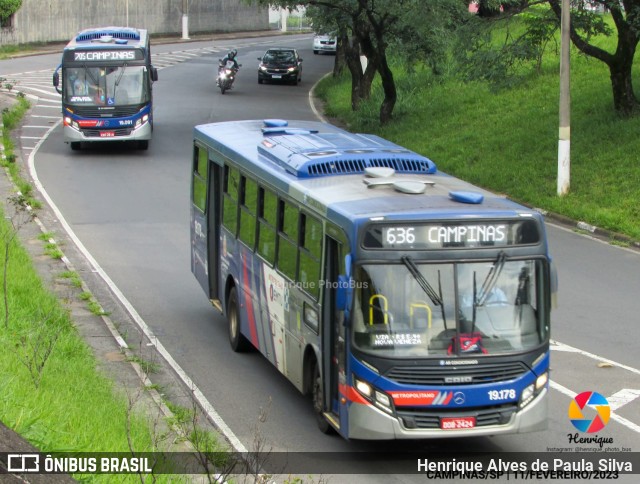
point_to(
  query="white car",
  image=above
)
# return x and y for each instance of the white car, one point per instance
(324, 43)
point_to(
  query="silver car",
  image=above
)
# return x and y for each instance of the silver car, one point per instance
(324, 43)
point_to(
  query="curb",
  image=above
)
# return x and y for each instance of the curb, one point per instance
(148, 401)
(604, 235)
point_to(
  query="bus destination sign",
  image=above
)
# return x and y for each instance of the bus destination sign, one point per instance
(429, 236)
(104, 55)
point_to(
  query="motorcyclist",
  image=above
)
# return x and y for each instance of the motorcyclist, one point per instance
(230, 57)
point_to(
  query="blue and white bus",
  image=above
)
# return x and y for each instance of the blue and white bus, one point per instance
(408, 303)
(106, 86)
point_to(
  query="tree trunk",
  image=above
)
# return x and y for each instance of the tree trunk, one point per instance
(352, 59)
(342, 41)
(624, 99)
(619, 63)
(389, 88)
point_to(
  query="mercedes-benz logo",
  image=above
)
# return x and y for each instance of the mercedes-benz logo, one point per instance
(458, 398)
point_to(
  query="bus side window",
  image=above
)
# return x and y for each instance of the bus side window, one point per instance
(310, 253)
(199, 181)
(231, 186)
(248, 205)
(267, 217)
(288, 239)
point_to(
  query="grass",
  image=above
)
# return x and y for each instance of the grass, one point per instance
(73, 407)
(10, 120)
(507, 140)
(53, 393)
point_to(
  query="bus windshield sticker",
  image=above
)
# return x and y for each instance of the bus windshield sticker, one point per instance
(396, 339)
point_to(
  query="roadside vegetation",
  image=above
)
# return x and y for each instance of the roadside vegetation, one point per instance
(53, 392)
(505, 137)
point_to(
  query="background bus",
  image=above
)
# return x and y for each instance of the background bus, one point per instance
(106, 86)
(409, 304)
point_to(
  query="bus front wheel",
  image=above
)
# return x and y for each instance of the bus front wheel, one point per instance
(318, 402)
(238, 342)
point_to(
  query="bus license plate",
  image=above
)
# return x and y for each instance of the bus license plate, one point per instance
(457, 423)
(107, 134)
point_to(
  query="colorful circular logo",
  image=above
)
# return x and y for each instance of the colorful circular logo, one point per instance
(589, 412)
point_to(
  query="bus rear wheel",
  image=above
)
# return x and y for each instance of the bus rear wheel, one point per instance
(318, 402)
(238, 342)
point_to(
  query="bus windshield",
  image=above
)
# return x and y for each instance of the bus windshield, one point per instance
(106, 86)
(463, 308)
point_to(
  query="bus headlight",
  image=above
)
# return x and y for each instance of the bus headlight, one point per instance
(529, 393)
(142, 120)
(364, 388)
(377, 397)
(71, 123)
(541, 381)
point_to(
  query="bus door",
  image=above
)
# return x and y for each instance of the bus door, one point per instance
(199, 229)
(332, 329)
(213, 235)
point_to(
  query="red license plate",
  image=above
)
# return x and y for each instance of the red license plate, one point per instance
(107, 134)
(457, 423)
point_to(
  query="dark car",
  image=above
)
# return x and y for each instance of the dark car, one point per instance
(280, 64)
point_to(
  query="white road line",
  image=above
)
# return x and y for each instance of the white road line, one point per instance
(557, 346)
(44, 117)
(621, 420)
(33, 89)
(215, 418)
(622, 397)
(34, 126)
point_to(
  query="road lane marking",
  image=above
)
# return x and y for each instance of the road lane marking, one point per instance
(557, 346)
(213, 415)
(622, 397)
(614, 416)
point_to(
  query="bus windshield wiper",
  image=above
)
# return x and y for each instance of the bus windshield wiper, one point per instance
(87, 71)
(490, 280)
(436, 297)
(124, 66)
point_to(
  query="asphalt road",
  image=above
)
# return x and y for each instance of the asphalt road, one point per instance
(130, 210)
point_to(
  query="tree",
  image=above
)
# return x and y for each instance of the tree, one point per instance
(586, 25)
(370, 27)
(626, 18)
(7, 9)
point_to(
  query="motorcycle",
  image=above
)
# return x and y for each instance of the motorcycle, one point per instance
(226, 75)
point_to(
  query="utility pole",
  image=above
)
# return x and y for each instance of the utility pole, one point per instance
(185, 19)
(564, 132)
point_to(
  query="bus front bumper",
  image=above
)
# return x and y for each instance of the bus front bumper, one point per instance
(142, 132)
(367, 422)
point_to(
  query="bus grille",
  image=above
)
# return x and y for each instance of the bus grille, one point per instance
(460, 375)
(423, 418)
(115, 112)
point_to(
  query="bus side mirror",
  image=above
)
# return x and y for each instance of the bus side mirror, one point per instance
(56, 80)
(154, 74)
